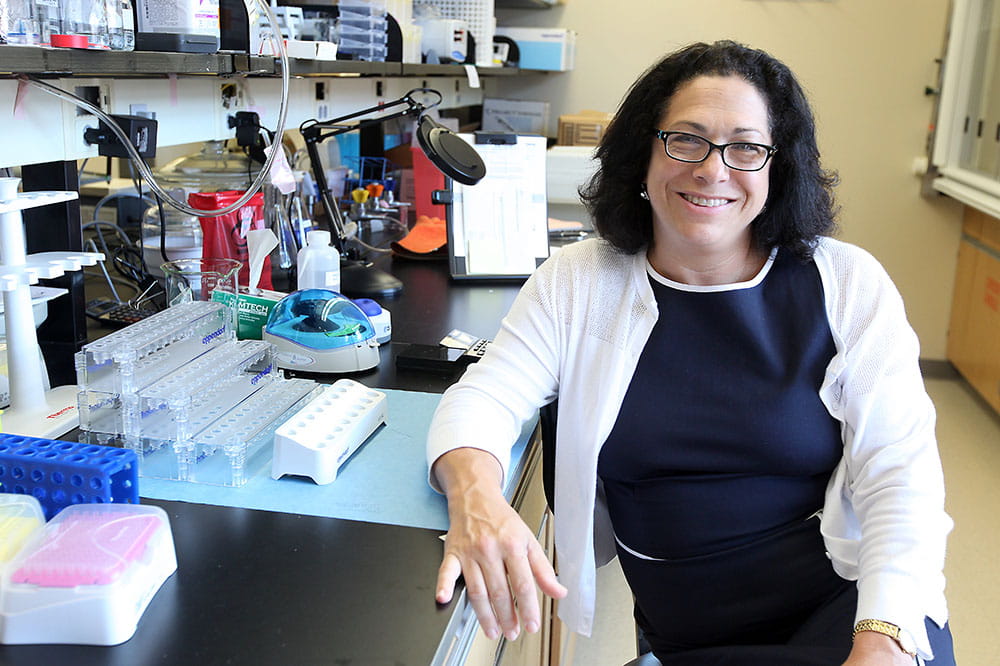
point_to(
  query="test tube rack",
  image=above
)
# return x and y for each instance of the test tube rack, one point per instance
(59, 473)
(111, 370)
(33, 410)
(228, 450)
(190, 401)
(176, 407)
(327, 431)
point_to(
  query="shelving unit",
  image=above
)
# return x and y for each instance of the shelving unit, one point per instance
(16, 60)
(187, 93)
(528, 4)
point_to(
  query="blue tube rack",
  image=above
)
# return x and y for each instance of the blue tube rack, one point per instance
(59, 473)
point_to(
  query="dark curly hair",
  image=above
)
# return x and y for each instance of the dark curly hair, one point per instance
(800, 206)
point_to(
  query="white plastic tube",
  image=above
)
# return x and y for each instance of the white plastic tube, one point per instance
(144, 169)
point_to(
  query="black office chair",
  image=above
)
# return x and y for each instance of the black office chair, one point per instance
(547, 426)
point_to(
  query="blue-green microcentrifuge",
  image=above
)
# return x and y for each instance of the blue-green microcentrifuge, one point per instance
(318, 330)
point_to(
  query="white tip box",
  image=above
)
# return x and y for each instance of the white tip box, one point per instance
(323, 434)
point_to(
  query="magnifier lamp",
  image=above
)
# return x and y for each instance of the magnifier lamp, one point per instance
(455, 158)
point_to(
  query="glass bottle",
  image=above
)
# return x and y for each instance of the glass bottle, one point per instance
(84, 24)
(49, 20)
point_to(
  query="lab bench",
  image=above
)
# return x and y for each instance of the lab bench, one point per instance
(264, 587)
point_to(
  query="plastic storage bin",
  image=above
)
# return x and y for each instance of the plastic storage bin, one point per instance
(478, 14)
(361, 30)
(88, 577)
(21, 517)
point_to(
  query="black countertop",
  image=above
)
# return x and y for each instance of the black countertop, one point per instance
(257, 587)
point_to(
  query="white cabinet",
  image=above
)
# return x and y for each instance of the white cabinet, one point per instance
(966, 151)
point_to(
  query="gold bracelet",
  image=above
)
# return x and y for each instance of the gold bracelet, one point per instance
(901, 636)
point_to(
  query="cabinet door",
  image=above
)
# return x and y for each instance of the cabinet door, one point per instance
(974, 334)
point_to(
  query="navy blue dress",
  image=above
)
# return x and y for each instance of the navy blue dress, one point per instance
(716, 468)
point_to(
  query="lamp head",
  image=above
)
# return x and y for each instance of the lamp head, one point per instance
(449, 152)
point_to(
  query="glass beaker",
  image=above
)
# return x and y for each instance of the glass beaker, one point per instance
(197, 279)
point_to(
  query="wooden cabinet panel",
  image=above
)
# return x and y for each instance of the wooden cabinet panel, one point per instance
(974, 333)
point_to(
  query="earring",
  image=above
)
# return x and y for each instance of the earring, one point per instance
(643, 193)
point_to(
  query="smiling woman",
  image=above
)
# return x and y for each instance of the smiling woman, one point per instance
(741, 415)
(703, 208)
(800, 206)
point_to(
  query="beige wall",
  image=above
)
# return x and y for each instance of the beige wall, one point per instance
(864, 64)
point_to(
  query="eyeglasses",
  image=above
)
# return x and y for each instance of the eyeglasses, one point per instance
(740, 155)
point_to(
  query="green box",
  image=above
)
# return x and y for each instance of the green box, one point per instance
(253, 310)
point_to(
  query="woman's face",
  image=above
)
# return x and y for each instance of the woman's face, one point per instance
(707, 208)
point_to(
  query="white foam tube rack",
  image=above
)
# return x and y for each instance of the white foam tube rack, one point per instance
(327, 431)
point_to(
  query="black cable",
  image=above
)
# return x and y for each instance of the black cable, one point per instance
(163, 229)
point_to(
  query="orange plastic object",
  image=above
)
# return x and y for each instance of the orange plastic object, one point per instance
(427, 239)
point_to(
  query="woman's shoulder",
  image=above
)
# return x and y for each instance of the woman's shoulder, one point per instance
(593, 247)
(845, 260)
(857, 286)
(591, 255)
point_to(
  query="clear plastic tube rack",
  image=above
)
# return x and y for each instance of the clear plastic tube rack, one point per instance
(111, 370)
(176, 407)
(230, 449)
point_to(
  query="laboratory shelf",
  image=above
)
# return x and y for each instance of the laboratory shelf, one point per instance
(72, 62)
(528, 4)
(37, 60)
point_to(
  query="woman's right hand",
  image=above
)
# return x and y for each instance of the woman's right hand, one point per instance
(491, 547)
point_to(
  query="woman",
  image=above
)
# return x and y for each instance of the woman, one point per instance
(741, 418)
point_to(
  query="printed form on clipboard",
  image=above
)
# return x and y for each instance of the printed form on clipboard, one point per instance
(498, 228)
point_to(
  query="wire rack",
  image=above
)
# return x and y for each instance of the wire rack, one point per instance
(479, 15)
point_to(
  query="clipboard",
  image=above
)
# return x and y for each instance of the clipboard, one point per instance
(498, 228)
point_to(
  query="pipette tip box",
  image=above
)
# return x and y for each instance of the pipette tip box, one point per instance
(87, 576)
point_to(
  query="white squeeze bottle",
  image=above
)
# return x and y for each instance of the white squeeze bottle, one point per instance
(319, 263)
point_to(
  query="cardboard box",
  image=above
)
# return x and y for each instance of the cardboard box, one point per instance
(512, 115)
(551, 49)
(584, 128)
(566, 169)
(253, 311)
(974, 332)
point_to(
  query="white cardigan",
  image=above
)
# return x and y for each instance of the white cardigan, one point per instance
(576, 331)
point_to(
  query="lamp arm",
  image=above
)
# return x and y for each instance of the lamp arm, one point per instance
(315, 132)
(330, 207)
(328, 128)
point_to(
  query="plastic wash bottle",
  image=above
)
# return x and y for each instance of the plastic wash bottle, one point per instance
(319, 263)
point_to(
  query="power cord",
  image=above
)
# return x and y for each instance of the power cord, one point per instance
(141, 165)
